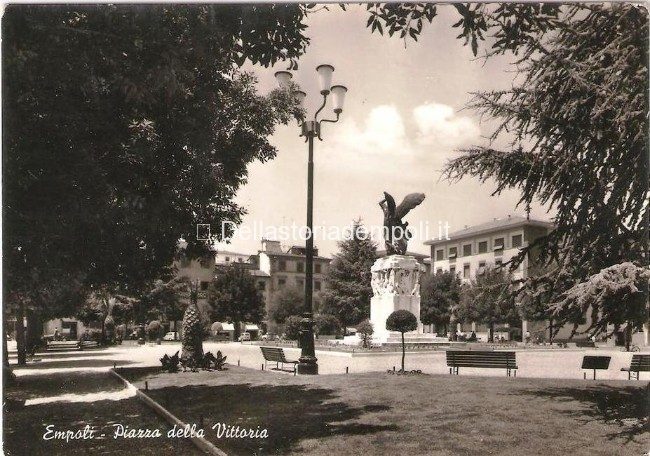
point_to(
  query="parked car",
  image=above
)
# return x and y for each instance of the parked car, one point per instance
(245, 337)
(171, 335)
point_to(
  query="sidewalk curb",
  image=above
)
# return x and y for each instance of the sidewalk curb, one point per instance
(200, 442)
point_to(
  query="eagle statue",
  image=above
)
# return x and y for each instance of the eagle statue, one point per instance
(396, 233)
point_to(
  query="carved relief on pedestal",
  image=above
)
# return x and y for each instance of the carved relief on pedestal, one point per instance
(398, 275)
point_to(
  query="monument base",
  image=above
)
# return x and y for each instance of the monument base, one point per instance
(396, 286)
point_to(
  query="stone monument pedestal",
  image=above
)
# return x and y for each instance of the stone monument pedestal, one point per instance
(395, 286)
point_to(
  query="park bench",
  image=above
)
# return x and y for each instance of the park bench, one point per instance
(71, 344)
(595, 363)
(63, 345)
(88, 344)
(482, 359)
(639, 363)
(276, 355)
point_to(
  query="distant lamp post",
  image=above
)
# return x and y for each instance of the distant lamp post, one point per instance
(312, 129)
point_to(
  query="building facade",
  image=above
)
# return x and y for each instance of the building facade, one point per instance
(469, 251)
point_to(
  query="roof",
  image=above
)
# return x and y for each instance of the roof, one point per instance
(494, 225)
(229, 252)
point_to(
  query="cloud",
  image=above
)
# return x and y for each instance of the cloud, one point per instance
(383, 132)
(439, 125)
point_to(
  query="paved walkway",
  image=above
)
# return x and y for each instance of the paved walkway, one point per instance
(555, 363)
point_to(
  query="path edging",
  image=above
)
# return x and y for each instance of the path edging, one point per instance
(200, 442)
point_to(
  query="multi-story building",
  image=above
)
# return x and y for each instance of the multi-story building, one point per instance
(273, 268)
(469, 251)
(286, 268)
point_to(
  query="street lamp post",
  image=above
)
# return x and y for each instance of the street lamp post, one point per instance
(310, 129)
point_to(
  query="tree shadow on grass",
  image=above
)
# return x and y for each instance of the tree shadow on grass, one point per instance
(290, 413)
(73, 363)
(627, 407)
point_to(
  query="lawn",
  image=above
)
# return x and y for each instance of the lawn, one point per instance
(378, 413)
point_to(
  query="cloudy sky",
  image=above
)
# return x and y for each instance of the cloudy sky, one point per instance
(403, 119)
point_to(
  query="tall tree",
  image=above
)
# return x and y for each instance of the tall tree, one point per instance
(439, 293)
(575, 129)
(234, 296)
(348, 278)
(124, 127)
(489, 298)
(286, 302)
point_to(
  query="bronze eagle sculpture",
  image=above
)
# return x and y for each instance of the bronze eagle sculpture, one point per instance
(396, 233)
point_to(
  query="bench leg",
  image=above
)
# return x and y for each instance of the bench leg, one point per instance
(584, 375)
(594, 374)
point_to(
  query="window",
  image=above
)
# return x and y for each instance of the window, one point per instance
(498, 244)
(300, 266)
(452, 253)
(439, 271)
(466, 271)
(482, 247)
(440, 254)
(227, 259)
(317, 268)
(498, 263)
(261, 285)
(317, 285)
(240, 259)
(516, 240)
(452, 270)
(281, 283)
(467, 250)
(204, 285)
(282, 265)
(300, 282)
(481, 267)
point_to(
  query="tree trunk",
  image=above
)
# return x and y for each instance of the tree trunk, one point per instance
(550, 330)
(403, 352)
(237, 328)
(491, 335)
(20, 335)
(628, 336)
(7, 375)
(34, 332)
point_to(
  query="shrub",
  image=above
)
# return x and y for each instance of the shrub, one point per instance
(365, 330)
(215, 328)
(327, 324)
(154, 329)
(292, 327)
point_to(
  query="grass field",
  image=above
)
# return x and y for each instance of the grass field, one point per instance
(378, 413)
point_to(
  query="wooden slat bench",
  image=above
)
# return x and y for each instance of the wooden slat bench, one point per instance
(63, 345)
(88, 344)
(595, 363)
(639, 363)
(482, 359)
(71, 344)
(276, 355)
